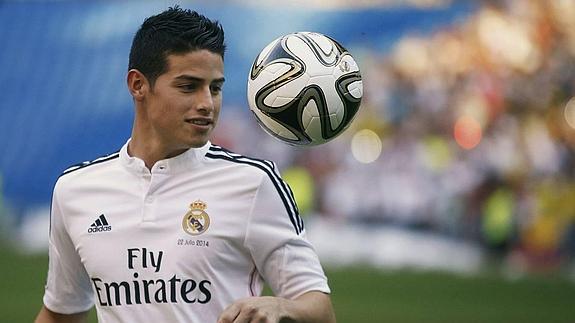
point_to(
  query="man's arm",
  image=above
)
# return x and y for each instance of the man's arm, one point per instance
(47, 316)
(310, 307)
(68, 287)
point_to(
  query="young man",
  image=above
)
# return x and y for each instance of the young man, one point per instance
(173, 228)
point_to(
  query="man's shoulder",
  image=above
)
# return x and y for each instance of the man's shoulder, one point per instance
(86, 168)
(246, 163)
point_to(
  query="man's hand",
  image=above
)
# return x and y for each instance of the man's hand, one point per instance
(264, 309)
(310, 307)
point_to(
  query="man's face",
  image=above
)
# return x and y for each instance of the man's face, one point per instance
(184, 104)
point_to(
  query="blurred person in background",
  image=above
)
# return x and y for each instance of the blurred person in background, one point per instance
(477, 122)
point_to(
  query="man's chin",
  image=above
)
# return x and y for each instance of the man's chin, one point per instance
(197, 143)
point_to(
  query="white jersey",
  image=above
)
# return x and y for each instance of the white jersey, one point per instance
(178, 243)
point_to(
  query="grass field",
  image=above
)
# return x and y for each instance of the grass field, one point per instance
(362, 295)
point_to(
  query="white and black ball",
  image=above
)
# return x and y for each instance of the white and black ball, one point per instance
(304, 88)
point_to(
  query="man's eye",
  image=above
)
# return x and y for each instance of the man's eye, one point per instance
(216, 88)
(188, 87)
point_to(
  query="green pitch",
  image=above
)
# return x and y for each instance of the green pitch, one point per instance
(362, 295)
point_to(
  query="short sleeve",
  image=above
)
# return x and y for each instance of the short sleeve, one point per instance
(276, 240)
(68, 288)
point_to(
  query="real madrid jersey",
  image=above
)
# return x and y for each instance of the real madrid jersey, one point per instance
(178, 243)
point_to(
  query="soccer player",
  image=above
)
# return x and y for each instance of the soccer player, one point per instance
(173, 228)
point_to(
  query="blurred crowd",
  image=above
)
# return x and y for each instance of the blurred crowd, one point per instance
(467, 132)
(475, 131)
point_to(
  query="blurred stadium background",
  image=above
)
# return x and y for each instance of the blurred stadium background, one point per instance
(451, 197)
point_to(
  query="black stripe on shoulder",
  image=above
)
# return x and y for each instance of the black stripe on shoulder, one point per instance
(268, 163)
(269, 168)
(90, 163)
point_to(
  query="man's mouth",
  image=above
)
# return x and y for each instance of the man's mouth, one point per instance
(199, 121)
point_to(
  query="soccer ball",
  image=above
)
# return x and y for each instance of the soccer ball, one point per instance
(304, 88)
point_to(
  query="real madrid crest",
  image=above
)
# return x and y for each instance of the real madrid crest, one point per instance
(196, 221)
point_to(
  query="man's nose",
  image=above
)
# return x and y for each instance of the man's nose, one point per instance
(205, 100)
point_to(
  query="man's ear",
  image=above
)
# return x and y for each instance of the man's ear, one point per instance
(138, 84)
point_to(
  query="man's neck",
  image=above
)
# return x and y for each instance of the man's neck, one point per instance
(150, 151)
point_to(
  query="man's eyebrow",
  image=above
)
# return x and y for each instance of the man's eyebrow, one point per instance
(191, 78)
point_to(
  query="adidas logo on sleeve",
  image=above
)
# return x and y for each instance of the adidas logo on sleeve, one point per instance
(100, 225)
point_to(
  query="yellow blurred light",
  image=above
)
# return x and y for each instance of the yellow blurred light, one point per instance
(497, 220)
(437, 155)
(303, 187)
(366, 146)
(467, 132)
(570, 113)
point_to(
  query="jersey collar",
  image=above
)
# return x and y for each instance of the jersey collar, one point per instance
(184, 161)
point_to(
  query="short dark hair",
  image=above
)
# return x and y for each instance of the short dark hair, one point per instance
(174, 31)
